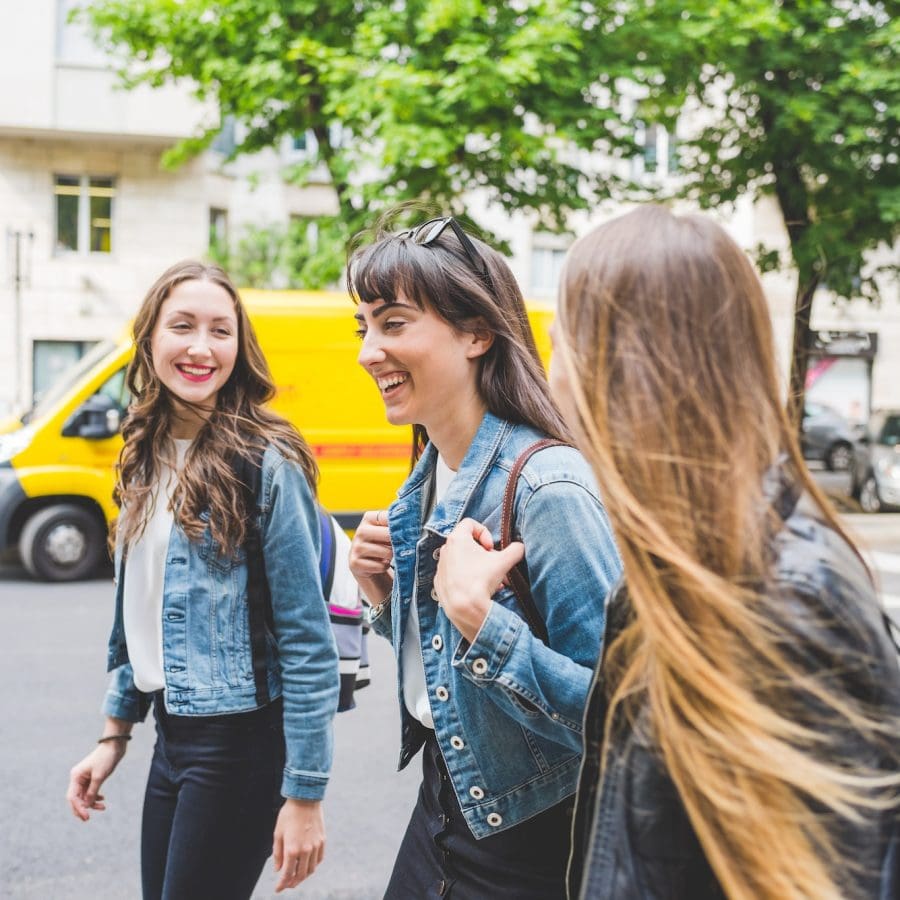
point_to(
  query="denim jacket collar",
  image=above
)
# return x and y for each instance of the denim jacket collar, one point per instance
(478, 460)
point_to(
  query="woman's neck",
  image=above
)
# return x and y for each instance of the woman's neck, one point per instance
(454, 431)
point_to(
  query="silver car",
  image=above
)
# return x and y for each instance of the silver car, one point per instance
(827, 435)
(875, 479)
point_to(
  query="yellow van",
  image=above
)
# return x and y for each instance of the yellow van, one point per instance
(57, 468)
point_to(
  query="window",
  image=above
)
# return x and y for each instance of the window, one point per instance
(84, 213)
(658, 151)
(218, 228)
(225, 142)
(51, 360)
(546, 268)
(74, 43)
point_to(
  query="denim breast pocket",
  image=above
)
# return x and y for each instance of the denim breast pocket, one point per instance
(211, 552)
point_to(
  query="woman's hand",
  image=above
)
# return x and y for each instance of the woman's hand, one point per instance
(469, 571)
(87, 776)
(299, 842)
(371, 555)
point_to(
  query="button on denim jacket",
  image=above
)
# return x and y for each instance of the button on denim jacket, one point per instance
(206, 641)
(507, 709)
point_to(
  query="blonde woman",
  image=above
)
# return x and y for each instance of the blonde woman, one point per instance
(742, 730)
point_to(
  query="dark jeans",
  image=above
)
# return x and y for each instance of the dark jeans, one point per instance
(212, 800)
(439, 857)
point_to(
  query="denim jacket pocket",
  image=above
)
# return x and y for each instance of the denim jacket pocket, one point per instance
(211, 552)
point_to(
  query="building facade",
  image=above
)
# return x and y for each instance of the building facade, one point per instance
(88, 215)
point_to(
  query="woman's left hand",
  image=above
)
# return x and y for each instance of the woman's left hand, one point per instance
(469, 571)
(299, 842)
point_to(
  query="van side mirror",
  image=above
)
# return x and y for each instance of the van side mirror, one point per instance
(97, 418)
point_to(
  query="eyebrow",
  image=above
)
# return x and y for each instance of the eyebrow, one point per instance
(381, 309)
(190, 315)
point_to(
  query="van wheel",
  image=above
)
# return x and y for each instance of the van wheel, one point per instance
(61, 543)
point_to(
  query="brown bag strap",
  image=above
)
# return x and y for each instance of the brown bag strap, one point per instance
(517, 578)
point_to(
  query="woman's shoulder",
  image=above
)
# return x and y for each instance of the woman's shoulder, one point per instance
(827, 596)
(561, 462)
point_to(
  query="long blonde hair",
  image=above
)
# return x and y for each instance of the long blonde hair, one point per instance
(240, 424)
(667, 346)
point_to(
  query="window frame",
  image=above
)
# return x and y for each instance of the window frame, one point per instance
(83, 216)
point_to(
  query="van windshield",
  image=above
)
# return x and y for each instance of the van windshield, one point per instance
(67, 380)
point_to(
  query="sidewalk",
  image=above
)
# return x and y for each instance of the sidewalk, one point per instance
(880, 531)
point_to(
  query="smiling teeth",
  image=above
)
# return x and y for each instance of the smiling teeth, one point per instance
(385, 383)
(196, 370)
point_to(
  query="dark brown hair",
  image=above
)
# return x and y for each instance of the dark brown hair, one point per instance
(239, 425)
(440, 276)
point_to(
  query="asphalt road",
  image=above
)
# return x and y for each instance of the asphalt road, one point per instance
(52, 672)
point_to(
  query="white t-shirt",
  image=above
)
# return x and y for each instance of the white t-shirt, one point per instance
(415, 692)
(145, 575)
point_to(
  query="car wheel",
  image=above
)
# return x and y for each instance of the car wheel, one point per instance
(839, 457)
(63, 542)
(868, 496)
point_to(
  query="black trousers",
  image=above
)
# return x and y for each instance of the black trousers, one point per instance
(439, 857)
(212, 799)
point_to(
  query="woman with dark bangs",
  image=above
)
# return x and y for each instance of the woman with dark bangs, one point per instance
(491, 683)
(243, 707)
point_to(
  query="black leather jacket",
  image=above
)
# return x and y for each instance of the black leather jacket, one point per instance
(631, 835)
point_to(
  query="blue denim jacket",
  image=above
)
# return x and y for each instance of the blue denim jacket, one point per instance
(206, 642)
(507, 709)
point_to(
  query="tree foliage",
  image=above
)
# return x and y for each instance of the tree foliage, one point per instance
(431, 100)
(799, 99)
(422, 100)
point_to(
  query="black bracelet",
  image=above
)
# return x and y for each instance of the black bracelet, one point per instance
(114, 737)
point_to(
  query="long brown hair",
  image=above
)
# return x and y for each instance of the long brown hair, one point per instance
(440, 276)
(239, 425)
(667, 345)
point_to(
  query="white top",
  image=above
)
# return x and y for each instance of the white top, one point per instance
(145, 575)
(415, 693)
(344, 589)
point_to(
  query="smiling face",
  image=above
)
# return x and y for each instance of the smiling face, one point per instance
(425, 369)
(194, 346)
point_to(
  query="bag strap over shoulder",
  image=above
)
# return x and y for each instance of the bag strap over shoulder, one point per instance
(518, 576)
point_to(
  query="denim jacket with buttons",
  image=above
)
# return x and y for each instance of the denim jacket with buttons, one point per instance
(207, 659)
(507, 709)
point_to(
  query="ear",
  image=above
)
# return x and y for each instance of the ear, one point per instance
(480, 340)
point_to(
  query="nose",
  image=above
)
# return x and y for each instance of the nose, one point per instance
(370, 353)
(199, 345)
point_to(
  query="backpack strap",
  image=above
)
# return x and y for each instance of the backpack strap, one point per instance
(259, 604)
(518, 575)
(328, 554)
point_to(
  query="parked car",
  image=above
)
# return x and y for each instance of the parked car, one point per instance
(827, 436)
(875, 481)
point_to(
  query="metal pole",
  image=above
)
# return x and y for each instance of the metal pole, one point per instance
(19, 279)
(17, 317)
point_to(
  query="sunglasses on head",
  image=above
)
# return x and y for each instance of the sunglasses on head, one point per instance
(430, 231)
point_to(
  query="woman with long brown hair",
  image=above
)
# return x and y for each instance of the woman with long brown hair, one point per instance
(743, 732)
(242, 678)
(491, 686)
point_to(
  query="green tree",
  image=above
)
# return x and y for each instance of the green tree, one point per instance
(799, 99)
(422, 100)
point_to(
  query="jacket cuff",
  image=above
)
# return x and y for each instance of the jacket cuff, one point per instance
(303, 785)
(483, 659)
(130, 707)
